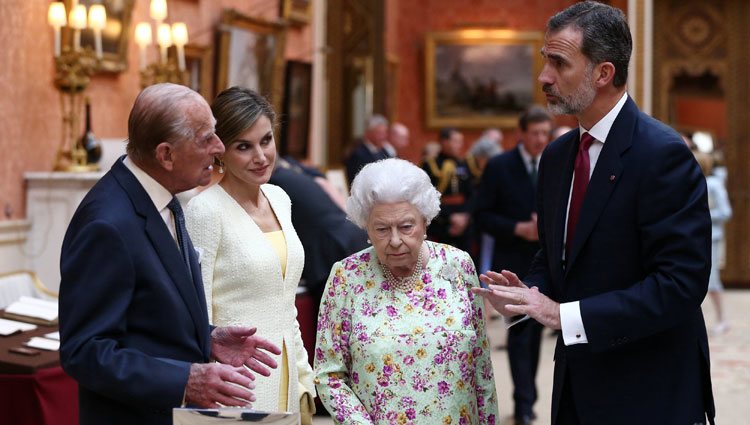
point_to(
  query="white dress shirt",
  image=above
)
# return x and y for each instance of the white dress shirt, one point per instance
(526, 157)
(571, 322)
(159, 195)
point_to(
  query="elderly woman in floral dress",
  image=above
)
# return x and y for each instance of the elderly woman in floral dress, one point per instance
(401, 338)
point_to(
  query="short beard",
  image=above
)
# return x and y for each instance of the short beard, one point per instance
(577, 101)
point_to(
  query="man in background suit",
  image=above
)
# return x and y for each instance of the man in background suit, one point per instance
(506, 210)
(374, 146)
(133, 320)
(625, 236)
(398, 138)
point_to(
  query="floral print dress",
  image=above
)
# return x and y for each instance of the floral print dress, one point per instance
(384, 356)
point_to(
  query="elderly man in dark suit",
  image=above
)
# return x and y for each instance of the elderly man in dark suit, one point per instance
(133, 319)
(625, 237)
(373, 147)
(506, 210)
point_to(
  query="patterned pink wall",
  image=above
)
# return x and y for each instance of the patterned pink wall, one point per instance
(30, 116)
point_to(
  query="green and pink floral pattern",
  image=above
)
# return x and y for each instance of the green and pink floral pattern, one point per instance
(388, 357)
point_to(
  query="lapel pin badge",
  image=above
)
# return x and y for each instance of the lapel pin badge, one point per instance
(612, 177)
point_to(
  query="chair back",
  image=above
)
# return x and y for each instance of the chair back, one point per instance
(20, 283)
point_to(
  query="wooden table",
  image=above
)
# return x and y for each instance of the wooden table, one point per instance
(17, 363)
(34, 390)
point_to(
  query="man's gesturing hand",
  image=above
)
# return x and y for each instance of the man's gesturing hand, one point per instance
(238, 345)
(511, 297)
(214, 383)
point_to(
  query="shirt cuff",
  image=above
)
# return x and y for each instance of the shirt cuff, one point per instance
(572, 324)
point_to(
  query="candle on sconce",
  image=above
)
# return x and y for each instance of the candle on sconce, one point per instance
(77, 21)
(56, 18)
(143, 39)
(158, 11)
(164, 40)
(180, 39)
(97, 22)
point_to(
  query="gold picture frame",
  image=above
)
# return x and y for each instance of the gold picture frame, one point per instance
(297, 12)
(251, 54)
(198, 62)
(481, 78)
(114, 36)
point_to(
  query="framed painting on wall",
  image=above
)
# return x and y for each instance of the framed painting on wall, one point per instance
(114, 35)
(481, 78)
(251, 54)
(295, 121)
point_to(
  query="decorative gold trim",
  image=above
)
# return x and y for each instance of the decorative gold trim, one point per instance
(297, 12)
(110, 62)
(443, 174)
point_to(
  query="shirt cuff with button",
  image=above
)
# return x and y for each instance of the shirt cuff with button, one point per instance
(572, 324)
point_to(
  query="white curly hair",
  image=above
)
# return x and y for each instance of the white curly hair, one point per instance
(388, 181)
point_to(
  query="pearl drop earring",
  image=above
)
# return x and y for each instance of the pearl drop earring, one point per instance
(368, 241)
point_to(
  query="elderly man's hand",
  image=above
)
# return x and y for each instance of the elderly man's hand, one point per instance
(511, 297)
(214, 383)
(238, 345)
(459, 222)
(527, 229)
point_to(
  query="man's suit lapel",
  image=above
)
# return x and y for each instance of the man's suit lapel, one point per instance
(167, 249)
(606, 175)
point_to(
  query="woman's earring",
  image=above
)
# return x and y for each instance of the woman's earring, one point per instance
(425, 236)
(221, 166)
(368, 241)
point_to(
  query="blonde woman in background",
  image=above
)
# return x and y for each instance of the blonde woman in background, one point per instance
(721, 212)
(250, 254)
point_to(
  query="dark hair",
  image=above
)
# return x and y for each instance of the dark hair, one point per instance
(606, 35)
(445, 133)
(236, 109)
(532, 115)
(159, 114)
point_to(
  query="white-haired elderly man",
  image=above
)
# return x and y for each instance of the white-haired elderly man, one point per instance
(400, 335)
(372, 147)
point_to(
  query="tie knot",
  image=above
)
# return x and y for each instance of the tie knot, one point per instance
(586, 141)
(175, 207)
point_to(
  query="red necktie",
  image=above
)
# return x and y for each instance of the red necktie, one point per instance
(580, 182)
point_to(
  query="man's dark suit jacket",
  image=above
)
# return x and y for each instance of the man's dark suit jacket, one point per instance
(359, 157)
(132, 321)
(505, 197)
(639, 265)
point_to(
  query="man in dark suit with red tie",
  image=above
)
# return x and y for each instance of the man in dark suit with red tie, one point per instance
(625, 236)
(506, 210)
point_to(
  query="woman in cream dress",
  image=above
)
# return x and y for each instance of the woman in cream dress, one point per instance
(251, 258)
